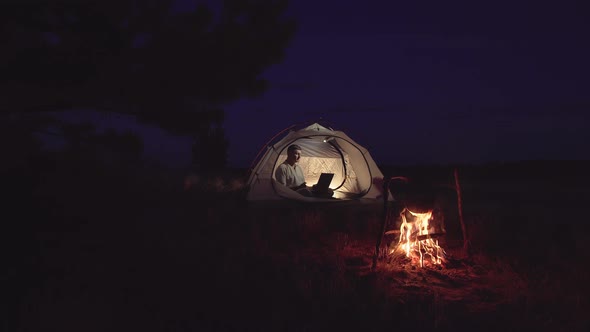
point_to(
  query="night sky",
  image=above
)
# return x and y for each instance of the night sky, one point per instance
(440, 81)
(426, 82)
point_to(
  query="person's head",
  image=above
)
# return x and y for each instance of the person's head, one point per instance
(293, 153)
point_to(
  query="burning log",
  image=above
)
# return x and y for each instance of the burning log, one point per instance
(429, 236)
(417, 240)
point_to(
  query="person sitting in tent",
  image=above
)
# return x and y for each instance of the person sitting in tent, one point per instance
(290, 174)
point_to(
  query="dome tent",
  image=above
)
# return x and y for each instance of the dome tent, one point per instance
(356, 175)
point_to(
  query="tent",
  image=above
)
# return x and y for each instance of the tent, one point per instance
(324, 150)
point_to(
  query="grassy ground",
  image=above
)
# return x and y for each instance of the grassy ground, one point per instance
(127, 250)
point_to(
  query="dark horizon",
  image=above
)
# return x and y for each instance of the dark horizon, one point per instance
(174, 151)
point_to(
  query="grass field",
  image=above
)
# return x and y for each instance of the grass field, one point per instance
(104, 250)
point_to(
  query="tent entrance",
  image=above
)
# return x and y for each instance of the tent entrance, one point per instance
(324, 150)
(325, 154)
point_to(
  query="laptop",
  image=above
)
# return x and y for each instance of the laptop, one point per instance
(323, 183)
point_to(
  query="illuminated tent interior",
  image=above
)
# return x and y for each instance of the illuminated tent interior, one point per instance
(356, 175)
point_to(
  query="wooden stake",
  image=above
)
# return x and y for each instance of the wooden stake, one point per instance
(460, 208)
(383, 223)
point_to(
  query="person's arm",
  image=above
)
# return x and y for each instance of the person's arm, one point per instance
(281, 175)
(303, 185)
(300, 177)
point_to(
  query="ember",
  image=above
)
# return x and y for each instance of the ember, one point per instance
(417, 239)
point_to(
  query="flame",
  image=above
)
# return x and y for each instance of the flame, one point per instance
(415, 239)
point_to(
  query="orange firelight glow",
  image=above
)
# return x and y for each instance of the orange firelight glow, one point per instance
(415, 239)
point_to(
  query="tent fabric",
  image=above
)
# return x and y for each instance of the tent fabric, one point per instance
(356, 175)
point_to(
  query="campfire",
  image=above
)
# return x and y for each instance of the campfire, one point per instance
(417, 239)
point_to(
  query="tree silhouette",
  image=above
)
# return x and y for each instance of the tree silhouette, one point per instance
(83, 142)
(169, 67)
